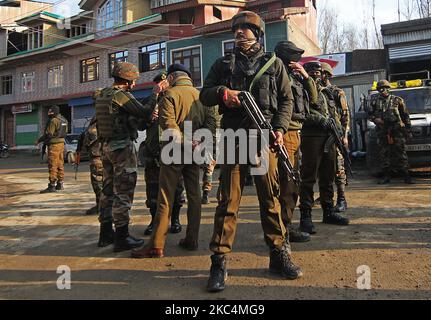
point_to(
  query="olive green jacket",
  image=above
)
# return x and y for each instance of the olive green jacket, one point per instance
(51, 128)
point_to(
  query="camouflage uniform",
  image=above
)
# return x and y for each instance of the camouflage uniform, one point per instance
(55, 131)
(393, 133)
(93, 146)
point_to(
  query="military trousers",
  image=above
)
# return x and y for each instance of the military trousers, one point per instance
(96, 176)
(56, 163)
(340, 175)
(316, 164)
(230, 192)
(169, 178)
(207, 178)
(120, 169)
(289, 191)
(393, 156)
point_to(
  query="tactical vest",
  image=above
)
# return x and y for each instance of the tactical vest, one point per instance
(264, 90)
(63, 129)
(388, 112)
(332, 110)
(112, 123)
(301, 101)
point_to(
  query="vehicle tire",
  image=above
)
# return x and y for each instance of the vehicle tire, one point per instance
(141, 155)
(70, 158)
(4, 154)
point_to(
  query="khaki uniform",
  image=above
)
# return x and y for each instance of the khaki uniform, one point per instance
(274, 96)
(54, 138)
(116, 111)
(289, 191)
(391, 137)
(180, 102)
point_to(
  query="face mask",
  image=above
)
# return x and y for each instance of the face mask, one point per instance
(244, 43)
(384, 91)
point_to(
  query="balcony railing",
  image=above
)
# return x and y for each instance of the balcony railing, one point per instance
(161, 3)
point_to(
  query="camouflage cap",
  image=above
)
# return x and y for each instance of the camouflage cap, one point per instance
(160, 77)
(383, 84)
(249, 18)
(326, 67)
(125, 70)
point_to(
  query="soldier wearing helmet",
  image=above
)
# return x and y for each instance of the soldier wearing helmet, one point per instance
(315, 162)
(393, 128)
(227, 77)
(338, 96)
(115, 106)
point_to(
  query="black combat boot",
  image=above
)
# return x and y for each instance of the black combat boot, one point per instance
(123, 241)
(280, 262)
(176, 226)
(205, 198)
(386, 178)
(330, 217)
(59, 186)
(106, 235)
(51, 188)
(218, 273)
(149, 229)
(341, 202)
(306, 222)
(92, 211)
(407, 177)
(296, 235)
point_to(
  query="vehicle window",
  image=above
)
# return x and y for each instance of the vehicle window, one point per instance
(417, 100)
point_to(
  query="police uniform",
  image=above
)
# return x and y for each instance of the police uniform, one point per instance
(55, 131)
(273, 94)
(393, 133)
(177, 104)
(116, 111)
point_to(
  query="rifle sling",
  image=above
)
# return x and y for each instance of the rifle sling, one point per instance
(262, 71)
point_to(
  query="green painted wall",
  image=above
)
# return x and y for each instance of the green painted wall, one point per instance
(23, 119)
(212, 44)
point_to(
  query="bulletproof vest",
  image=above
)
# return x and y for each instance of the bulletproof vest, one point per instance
(388, 111)
(264, 91)
(301, 101)
(63, 129)
(332, 105)
(112, 123)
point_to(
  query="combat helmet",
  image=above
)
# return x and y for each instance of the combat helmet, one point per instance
(383, 84)
(326, 67)
(249, 18)
(125, 70)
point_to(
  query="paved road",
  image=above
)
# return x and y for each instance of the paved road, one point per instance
(390, 233)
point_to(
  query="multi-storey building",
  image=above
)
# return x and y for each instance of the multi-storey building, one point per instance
(48, 59)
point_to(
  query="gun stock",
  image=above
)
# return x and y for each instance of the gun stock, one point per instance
(257, 117)
(337, 139)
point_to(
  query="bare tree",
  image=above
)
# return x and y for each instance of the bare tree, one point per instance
(327, 27)
(408, 9)
(378, 40)
(423, 8)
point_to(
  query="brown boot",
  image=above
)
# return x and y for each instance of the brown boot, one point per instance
(188, 245)
(147, 252)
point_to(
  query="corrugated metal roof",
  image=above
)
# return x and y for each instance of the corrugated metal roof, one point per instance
(407, 37)
(410, 51)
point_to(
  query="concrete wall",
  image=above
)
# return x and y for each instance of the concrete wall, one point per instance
(52, 35)
(296, 35)
(134, 10)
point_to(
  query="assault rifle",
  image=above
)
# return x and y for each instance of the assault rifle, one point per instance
(255, 114)
(336, 138)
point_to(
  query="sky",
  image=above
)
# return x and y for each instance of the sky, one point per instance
(349, 10)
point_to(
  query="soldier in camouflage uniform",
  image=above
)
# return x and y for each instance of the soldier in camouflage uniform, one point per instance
(116, 114)
(393, 128)
(92, 145)
(53, 137)
(227, 77)
(316, 163)
(152, 161)
(179, 103)
(343, 113)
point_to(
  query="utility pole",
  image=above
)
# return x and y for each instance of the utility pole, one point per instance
(399, 12)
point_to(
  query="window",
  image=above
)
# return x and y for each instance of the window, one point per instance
(35, 38)
(27, 81)
(152, 57)
(75, 31)
(116, 57)
(55, 77)
(191, 58)
(6, 85)
(90, 69)
(228, 47)
(110, 14)
(217, 13)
